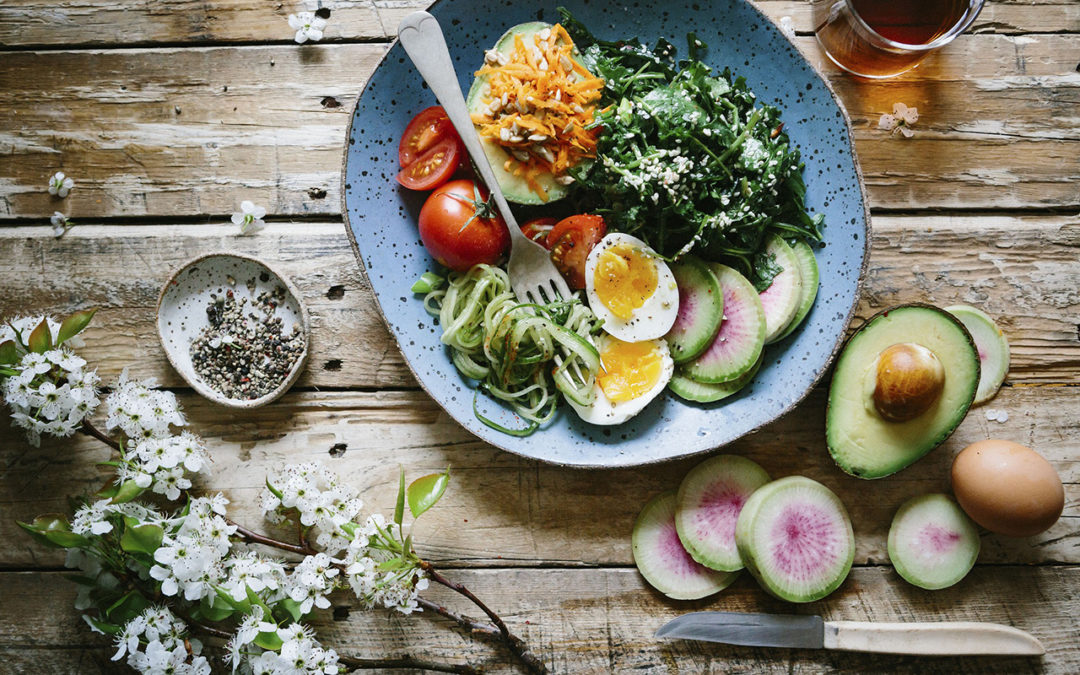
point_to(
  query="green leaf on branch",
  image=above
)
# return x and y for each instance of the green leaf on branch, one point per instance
(254, 599)
(269, 641)
(425, 491)
(9, 352)
(74, 324)
(242, 606)
(129, 606)
(53, 530)
(103, 626)
(40, 338)
(145, 538)
(292, 607)
(399, 509)
(127, 491)
(214, 609)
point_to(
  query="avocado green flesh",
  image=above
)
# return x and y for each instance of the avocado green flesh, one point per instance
(862, 442)
(515, 188)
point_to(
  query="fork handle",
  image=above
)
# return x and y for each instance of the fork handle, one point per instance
(422, 38)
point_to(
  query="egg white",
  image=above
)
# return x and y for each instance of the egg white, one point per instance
(655, 317)
(604, 411)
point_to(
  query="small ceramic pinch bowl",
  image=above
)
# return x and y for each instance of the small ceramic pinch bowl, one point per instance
(182, 317)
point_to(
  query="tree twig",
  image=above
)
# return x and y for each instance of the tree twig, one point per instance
(90, 430)
(473, 627)
(405, 662)
(257, 538)
(516, 644)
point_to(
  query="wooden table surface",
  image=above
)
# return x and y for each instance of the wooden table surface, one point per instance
(168, 114)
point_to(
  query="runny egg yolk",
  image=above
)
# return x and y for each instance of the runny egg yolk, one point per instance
(629, 369)
(625, 278)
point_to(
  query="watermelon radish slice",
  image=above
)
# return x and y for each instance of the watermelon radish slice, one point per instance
(702, 392)
(663, 561)
(701, 309)
(992, 346)
(932, 542)
(795, 537)
(781, 299)
(707, 508)
(742, 332)
(808, 273)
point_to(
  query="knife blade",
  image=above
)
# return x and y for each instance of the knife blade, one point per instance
(946, 638)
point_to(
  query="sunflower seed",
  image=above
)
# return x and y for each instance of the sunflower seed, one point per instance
(520, 155)
(567, 64)
(517, 139)
(505, 98)
(504, 134)
(491, 57)
(537, 138)
(545, 34)
(543, 152)
(564, 180)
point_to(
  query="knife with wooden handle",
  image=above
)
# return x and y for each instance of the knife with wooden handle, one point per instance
(959, 638)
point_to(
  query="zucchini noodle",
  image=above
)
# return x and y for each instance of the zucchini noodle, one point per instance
(517, 351)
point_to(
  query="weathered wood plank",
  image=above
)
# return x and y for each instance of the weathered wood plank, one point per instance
(116, 23)
(602, 621)
(175, 131)
(1021, 270)
(501, 509)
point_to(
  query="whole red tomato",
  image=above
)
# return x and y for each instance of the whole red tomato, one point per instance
(460, 228)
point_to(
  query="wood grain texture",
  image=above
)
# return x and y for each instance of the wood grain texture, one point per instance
(1021, 270)
(116, 23)
(601, 621)
(192, 131)
(501, 509)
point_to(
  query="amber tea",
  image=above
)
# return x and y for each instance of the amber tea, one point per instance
(882, 38)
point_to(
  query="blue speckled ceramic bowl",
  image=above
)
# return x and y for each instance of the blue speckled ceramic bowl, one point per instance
(381, 222)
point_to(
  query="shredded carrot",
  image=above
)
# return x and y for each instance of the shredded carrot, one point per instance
(538, 103)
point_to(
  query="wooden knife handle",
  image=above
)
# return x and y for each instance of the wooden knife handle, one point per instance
(930, 639)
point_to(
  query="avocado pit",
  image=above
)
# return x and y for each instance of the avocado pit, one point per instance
(909, 380)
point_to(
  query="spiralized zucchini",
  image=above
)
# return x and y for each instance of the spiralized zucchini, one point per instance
(517, 351)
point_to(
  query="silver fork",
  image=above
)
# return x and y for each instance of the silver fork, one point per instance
(533, 276)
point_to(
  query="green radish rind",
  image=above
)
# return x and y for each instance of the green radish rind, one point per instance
(992, 346)
(811, 279)
(700, 293)
(923, 524)
(662, 560)
(707, 507)
(770, 511)
(741, 338)
(703, 392)
(781, 299)
(864, 444)
(514, 188)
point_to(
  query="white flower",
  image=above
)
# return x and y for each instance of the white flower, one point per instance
(168, 648)
(300, 654)
(60, 223)
(312, 581)
(250, 570)
(319, 500)
(393, 589)
(900, 120)
(250, 217)
(140, 411)
(307, 27)
(60, 185)
(787, 27)
(51, 392)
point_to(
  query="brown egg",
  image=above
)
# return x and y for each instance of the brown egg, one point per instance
(1007, 488)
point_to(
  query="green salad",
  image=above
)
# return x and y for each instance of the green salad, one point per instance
(687, 160)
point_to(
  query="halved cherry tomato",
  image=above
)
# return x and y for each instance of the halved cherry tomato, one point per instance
(460, 228)
(570, 242)
(425, 130)
(434, 167)
(537, 229)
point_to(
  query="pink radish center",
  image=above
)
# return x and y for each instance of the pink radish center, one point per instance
(804, 542)
(675, 557)
(938, 539)
(718, 511)
(687, 306)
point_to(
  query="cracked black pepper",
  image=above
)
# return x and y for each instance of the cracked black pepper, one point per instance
(243, 354)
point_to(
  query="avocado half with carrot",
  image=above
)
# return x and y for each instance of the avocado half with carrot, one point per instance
(531, 158)
(903, 383)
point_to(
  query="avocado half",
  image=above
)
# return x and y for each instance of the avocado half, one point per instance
(514, 188)
(861, 441)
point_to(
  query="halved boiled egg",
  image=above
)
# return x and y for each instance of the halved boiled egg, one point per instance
(631, 375)
(630, 288)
